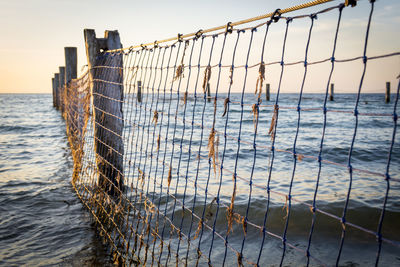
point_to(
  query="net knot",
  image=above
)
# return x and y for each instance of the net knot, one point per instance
(143, 46)
(379, 237)
(332, 59)
(229, 28)
(155, 44)
(313, 16)
(275, 16)
(180, 37)
(350, 168)
(395, 117)
(198, 34)
(365, 59)
(288, 20)
(355, 112)
(254, 29)
(305, 63)
(387, 177)
(351, 3)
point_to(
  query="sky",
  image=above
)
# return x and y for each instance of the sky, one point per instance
(34, 33)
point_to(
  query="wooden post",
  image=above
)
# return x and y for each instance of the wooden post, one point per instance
(331, 94)
(208, 92)
(267, 91)
(56, 85)
(107, 91)
(54, 92)
(71, 70)
(387, 96)
(71, 64)
(61, 85)
(139, 91)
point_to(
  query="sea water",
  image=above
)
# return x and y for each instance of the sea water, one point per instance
(43, 222)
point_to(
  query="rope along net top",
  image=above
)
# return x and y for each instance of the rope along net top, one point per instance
(202, 169)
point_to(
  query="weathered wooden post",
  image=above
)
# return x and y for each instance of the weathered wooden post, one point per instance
(139, 91)
(208, 92)
(61, 85)
(54, 91)
(71, 70)
(71, 64)
(331, 94)
(107, 92)
(56, 85)
(267, 91)
(387, 96)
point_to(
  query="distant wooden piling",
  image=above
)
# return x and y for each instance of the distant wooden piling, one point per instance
(331, 94)
(61, 85)
(107, 108)
(208, 92)
(139, 91)
(387, 96)
(267, 92)
(57, 89)
(54, 91)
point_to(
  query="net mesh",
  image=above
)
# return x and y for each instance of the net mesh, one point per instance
(198, 168)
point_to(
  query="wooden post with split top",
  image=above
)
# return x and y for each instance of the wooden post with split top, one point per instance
(106, 79)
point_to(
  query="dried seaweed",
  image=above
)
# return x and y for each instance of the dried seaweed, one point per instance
(231, 75)
(239, 259)
(207, 76)
(260, 79)
(213, 149)
(155, 118)
(181, 67)
(199, 227)
(185, 95)
(179, 72)
(254, 110)
(169, 176)
(158, 143)
(286, 206)
(229, 210)
(225, 106)
(272, 127)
